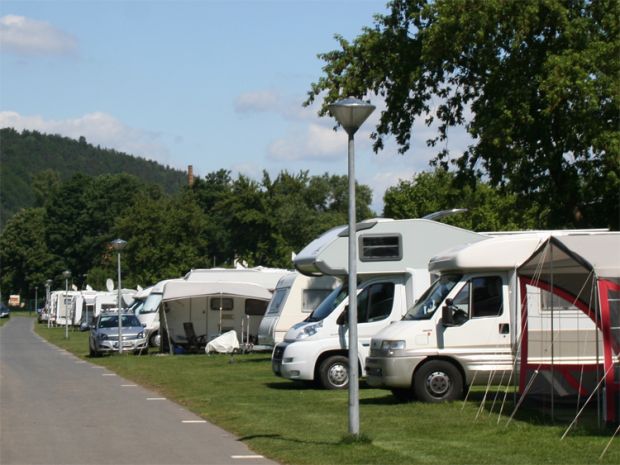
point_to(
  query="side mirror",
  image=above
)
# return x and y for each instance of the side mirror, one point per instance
(343, 318)
(447, 314)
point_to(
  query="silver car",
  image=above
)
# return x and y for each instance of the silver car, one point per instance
(104, 335)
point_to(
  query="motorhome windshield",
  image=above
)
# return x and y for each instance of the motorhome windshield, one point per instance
(329, 303)
(151, 304)
(136, 307)
(426, 305)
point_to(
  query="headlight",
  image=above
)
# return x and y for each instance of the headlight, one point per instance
(140, 335)
(309, 330)
(392, 347)
(103, 336)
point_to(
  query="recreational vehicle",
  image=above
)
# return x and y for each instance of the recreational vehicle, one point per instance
(392, 272)
(295, 297)
(212, 300)
(481, 319)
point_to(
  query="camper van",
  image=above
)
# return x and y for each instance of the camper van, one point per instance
(295, 297)
(392, 272)
(63, 307)
(471, 324)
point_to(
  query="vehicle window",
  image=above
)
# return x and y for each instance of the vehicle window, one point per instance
(108, 322)
(427, 304)
(375, 302)
(329, 303)
(380, 248)
(487, 296)
(151, 304)
(276, 301)
(224, 303)
(255, 307)
(312, 298)
(480, 297)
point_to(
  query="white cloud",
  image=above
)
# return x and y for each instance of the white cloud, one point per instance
(22, 35)
(257, 102)
(98, 129)
(313, 142)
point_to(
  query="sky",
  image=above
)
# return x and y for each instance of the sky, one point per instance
(212, 84)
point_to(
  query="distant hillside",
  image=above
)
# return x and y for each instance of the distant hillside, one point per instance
(22, 155)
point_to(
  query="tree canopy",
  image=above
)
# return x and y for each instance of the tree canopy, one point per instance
(535, 83)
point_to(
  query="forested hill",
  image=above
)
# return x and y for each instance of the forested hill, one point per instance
(23, 155)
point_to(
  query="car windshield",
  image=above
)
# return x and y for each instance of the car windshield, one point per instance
(426, 305)
(111, 321)
(151, 304)
(329, 303)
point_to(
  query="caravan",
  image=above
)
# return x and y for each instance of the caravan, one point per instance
(392, 272)
(213, 300)
(295, 297)
(475, 321)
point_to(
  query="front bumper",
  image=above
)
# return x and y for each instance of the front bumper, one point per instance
(112, 345)
(391, 372)
(290, 361)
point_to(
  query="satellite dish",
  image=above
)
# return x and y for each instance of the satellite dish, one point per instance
(139, 288)
(74, 287)
(109, 285)
(88, 287)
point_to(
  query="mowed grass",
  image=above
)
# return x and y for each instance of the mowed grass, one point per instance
(298, 424)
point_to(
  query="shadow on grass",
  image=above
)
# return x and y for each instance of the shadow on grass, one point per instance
(284, 439)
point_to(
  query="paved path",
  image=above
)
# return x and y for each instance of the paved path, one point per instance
(58, 409)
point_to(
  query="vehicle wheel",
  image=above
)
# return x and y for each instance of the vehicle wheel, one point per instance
(403, 394)
(92, 352)
(155, 339)
(334, 372)
(438, 381)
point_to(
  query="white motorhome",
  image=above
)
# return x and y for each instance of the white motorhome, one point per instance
(392, 272)
(468, 327)
(295, 297)
(146, 308)
(108, 301)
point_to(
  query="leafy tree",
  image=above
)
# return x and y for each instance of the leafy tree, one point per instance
(166, 237)
(487, 208)
(25, 260)
(81, 215)
(534, 82)
(44, 184)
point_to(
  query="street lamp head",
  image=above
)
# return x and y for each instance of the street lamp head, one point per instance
(66, 274)
(351, 113)
(118, 244)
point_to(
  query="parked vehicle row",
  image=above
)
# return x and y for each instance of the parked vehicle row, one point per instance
(440, 309)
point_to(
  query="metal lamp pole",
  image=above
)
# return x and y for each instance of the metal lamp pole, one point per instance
(350, 114)
(48, 286)
(66, 274)
(118, 245)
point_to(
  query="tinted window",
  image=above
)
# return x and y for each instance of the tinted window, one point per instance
(376, 248)
(375, 302)
(255, 307)
(225, 302)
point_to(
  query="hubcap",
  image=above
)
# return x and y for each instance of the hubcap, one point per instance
(438, 383)
(338, 375)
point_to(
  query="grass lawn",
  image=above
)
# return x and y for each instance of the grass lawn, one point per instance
(299, 424)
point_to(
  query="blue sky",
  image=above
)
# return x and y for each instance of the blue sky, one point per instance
(213, 84)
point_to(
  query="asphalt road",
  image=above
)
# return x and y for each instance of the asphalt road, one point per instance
(58, 409)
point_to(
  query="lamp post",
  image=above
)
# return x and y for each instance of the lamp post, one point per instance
(350, 114)
(118, 245)
(66, 274)
(48, 286)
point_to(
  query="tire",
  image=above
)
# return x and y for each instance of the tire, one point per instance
(155, 340)
(403, 394)
(438, 381)
(334, 372)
